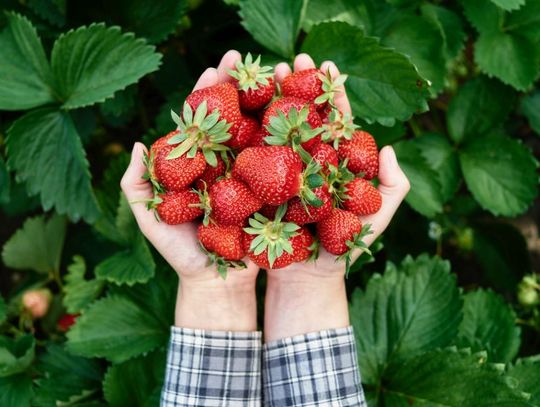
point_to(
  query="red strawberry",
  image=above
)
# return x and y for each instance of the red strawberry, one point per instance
(296, 212)
(258, 139)
(273, 173)
(67, 321)
(268, 211)
(361, 197)
(361, 153)
(210, 175)
(178, 207)
(255, 83)
(301, 250)
(225, 241)
(311, 85)
(247, 130)
(325, 155)
(337, 229)
(178, 173)
(232, 202)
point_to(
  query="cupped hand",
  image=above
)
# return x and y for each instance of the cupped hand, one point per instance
(393, 187)
(178, 244)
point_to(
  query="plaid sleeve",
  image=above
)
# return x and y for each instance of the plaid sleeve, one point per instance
(316, 369)
(212, 369)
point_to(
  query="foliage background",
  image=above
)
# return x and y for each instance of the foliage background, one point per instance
(452, 85)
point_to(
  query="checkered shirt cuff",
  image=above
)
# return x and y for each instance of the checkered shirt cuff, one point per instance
(317, 369)
(206, 368)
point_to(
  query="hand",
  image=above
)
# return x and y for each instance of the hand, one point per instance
(201, 287)
(312, 295)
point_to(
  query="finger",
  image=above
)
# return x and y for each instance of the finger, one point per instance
(302, 62)
(208, 78)
(340, 97)
(281, 71)
(228, 61)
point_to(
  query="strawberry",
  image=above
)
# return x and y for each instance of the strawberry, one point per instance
(247, 130)
(67, 321)
(211, 174)
(231, 202)
(178, 173)
(255, 83)
(325, 155)
(361, 197)
(268, 211)
(338, 127)
(273, 173)
(225, 241)
(312, 85)
(300, 213)
(258, 139)
(361, 153)
(174, 208)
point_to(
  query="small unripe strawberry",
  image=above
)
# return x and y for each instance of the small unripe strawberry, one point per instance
(37, 302)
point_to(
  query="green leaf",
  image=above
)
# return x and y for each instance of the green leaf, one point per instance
(274, 23)
(442, 159)
(480, 105)
(66, 377)
(25, 75)
(134, 382)
(117, 329)
(54, 11)
(489, 324)
(385, 135)
(525, 21)
(500, 172)
(16, 391)
(493, 51)
(16, 354)
(530, 108)
(37, 245)
(91, 63)
(347, 11)
(482, 14)
(450, 27)
(527, 372)
(425, 195)
(133, 265)
(122, 104)
(509, 4)
(79, 292)
(402, 313)
(383, 85)
(3, 310)
(450, 377)
(5, 182)
(420, 38)
(46, 152)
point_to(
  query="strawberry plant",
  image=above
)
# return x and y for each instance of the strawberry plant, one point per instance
(446, 312)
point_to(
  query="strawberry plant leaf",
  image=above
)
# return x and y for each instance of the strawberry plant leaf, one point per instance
(54, 11)
(500, 172)
(37, 245)
(530, 108)
(450, 377)
(117, 329)
(450, 26)
(91, 63)
(134, 383)
(509, 4)
(130, 266)
(425, 195)
(25, 74)
(347, 11)
(489, 324)
(79, 292)
(5, 182)
(525, 21)
(480, 105)
(274, 23)
(441, 158)
(484, 15)
(16, 390)
(383, 85)
(16, 354)
(45, 151)
(527, 372)
(404, 312)
(385, 135)
(122, 104)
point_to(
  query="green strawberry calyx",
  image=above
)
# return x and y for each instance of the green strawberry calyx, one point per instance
(149, 175)
(223, 265)
(250, 74)
(337, 179)
(329, 86)
(271, 235)
(357, 242)
(311, 179)
(340, 126)
(199, 132)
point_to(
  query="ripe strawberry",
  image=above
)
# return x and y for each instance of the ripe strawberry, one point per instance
(300, 214)
(361, 197)
(312, 85)
(268, 211)
(225, 241)
(325, 155)
(210, 175)
(292, 121)
(66, 322)
(247, 130)
(231, 202)
(258, 139)
(255, 83)
(174, 208)
(273, 173)
(178, 173)
(361, 153)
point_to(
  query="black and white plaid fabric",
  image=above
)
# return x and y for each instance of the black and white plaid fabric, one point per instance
(317, 369)
(224, 369)
(213, 369)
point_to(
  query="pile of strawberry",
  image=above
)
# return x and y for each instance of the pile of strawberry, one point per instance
(271, 173)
